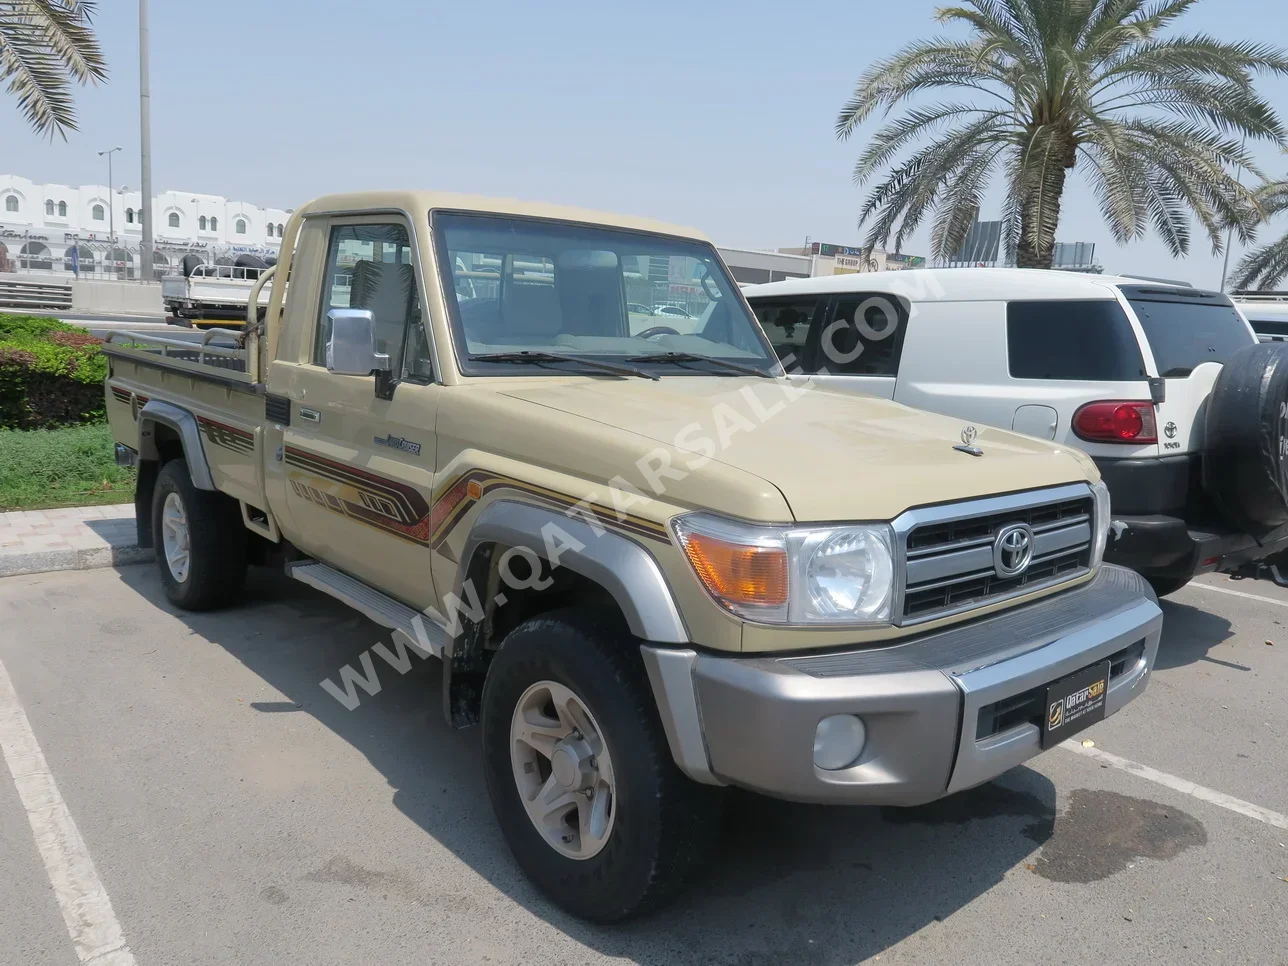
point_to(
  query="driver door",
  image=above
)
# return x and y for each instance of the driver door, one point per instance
(359, 451)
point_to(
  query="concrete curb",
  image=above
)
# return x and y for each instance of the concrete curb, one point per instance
(91, 558)
(73, 538)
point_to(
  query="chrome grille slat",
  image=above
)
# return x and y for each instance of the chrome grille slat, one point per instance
(947, 552)
(988, 541)
(976, 575)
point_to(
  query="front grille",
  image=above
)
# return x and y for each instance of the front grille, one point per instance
(948, 563)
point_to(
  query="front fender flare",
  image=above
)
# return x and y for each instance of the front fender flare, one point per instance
(621, 566)
(183, 423)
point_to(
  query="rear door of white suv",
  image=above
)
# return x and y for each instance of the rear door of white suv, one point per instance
(1187, 334)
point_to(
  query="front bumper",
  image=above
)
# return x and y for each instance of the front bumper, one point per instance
(944, 711)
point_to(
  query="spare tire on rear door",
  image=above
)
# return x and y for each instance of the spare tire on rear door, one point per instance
(1245, 467)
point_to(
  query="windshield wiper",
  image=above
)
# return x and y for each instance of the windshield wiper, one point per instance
(537, 358)
(679, 358)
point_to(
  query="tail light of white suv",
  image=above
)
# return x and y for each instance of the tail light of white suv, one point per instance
(1116, 421)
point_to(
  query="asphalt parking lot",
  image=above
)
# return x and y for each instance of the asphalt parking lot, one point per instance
(229, 810)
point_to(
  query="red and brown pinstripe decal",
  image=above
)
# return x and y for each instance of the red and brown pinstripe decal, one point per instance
(229, 437)
(401, 510)
(122, 395)
(396, 508)
(457, 498)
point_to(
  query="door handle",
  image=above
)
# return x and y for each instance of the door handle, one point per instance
(312, 415)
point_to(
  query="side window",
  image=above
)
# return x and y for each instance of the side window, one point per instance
(1084, 340)
(862, 335)
(370, 267)
(786, 322)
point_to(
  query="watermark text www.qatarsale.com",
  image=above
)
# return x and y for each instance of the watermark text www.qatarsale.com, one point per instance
(842, 342)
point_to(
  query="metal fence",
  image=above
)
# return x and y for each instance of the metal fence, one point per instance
(102, 260)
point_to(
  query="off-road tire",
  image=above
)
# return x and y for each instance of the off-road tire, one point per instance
(664, 822)
(217, 542)
(1245, 459)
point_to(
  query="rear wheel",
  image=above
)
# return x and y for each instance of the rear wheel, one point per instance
(200, 541)
(579, 771)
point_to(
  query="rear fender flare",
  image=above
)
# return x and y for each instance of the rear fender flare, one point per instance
(158, 413)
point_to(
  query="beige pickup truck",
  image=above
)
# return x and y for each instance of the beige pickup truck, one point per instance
(652, 561)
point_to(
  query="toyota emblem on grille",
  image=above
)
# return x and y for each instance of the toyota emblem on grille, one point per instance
(1013, 550)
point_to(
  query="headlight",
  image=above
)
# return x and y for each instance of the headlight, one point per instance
(1100, 525)
(792, 575)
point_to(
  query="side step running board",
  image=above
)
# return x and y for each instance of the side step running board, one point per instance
(414, 628)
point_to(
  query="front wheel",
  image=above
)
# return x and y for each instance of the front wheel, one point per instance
(579, 771)
(200, 541)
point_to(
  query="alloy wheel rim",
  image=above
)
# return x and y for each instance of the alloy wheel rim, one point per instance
(175, 541)
(563, 770)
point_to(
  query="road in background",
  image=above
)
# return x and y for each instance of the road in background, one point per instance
(235, 812)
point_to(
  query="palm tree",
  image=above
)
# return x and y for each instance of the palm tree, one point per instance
(44, 46)
(1265, 267)
(1156, 124)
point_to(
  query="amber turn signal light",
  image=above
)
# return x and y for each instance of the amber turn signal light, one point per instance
(745, 575)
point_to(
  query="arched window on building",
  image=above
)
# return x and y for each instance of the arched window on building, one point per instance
(270, 229)
(49, 207)
(173, 220)
(239, 226)
(11, 203)
(62, 209)
(97, 213)
(36, 255)
(129, 216)
(201, 223)
(214, 223)
(279, 229)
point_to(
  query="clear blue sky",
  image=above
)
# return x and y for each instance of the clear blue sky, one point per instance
(716, 114)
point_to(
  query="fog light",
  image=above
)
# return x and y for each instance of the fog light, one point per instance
(839, 741)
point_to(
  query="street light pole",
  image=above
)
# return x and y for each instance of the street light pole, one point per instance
(111, 207)
(145, 142)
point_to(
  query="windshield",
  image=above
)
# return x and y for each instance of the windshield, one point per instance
(1186, 332)
(517, 285)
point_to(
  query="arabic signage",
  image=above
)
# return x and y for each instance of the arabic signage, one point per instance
(912, 261)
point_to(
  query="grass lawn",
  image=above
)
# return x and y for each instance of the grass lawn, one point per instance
(44, 468)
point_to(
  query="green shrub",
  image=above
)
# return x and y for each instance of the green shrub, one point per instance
(51, 373)
(61, 467)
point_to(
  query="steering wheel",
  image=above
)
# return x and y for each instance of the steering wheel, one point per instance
(653, 331)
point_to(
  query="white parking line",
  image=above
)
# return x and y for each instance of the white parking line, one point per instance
(95, 932)
(1180, 785)
(1195, 585)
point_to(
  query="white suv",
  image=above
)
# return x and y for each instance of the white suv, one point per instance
(1133, 372)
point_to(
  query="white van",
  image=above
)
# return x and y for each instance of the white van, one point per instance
(1130, 371)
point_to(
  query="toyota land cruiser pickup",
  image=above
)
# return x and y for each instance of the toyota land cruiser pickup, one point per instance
(651, 563)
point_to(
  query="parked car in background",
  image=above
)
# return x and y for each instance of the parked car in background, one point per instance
(212, 293)
(671, 311)
(1266, 312)
(830, 602)
(1163, 385)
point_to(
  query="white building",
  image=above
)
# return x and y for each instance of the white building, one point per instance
(41, 225)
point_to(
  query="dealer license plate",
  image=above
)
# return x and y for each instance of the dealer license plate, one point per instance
(1074, 703)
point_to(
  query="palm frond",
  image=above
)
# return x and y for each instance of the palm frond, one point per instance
(920, 66)
(45, 45)
(1264, 267)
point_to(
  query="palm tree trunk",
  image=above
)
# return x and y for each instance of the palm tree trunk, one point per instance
(1036, 248)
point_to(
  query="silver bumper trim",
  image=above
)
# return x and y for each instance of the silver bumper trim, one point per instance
(750, 721)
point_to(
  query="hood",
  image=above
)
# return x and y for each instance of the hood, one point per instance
(833, 456)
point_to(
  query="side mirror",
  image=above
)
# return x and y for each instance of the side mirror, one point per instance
(351, 350)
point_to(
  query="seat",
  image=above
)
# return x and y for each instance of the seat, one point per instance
(530, 315)
(387, 290)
